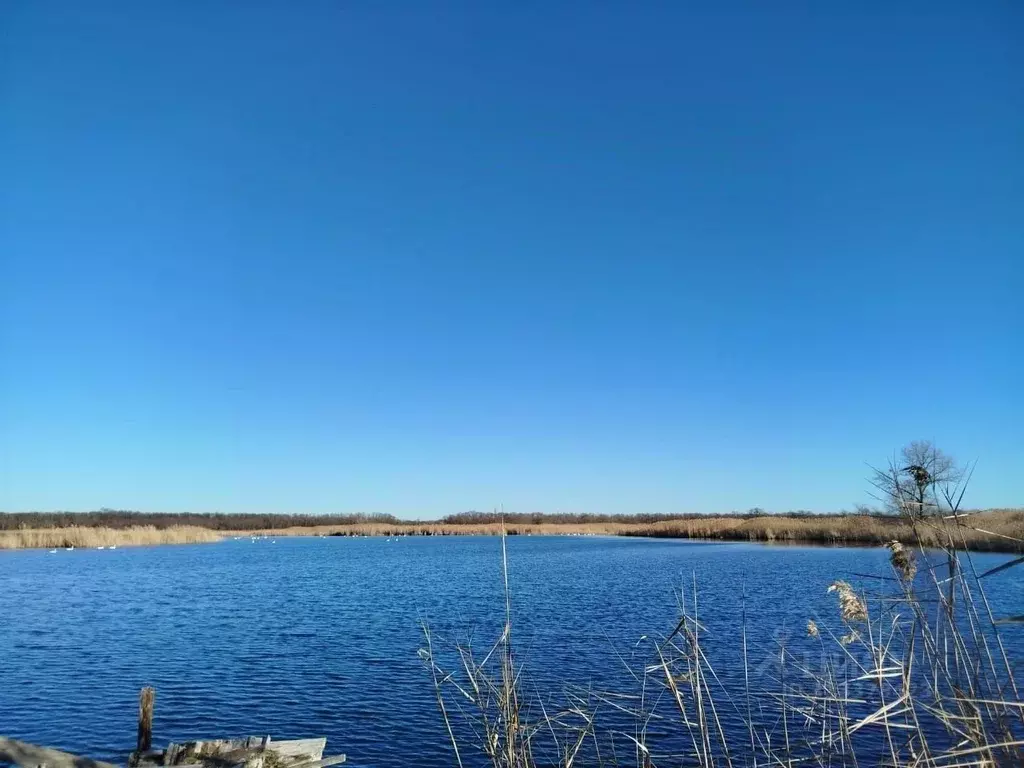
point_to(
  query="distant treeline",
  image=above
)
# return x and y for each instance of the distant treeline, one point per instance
(120, 518)
(565, 518)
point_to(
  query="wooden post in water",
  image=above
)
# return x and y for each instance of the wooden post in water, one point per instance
(145, 739)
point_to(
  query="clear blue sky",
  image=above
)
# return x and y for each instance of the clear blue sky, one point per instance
(335, 256)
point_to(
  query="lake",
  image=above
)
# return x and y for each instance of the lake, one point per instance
(308, 636)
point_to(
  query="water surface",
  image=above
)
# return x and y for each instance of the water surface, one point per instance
(310, 636)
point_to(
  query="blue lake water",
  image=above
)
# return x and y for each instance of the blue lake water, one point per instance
(308, 636)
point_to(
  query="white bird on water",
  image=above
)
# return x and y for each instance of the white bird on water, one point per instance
(53, 551)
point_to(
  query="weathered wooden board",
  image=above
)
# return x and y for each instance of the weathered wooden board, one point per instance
(31, 756)
(313, 749)
(246, 751)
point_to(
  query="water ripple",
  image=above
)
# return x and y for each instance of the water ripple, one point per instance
(320, 636)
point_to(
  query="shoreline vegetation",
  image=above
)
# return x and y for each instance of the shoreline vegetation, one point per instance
(93, 537)
(998, 530)
(912, 671)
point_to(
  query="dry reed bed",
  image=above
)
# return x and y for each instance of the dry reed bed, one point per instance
(982, 531)
(83, 537)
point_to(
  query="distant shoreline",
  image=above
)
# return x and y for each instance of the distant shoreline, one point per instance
(992, 531)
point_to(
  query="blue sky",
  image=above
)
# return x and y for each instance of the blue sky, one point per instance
(325, 257)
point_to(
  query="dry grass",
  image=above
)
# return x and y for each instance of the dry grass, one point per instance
(90, 538)
(912, 673)
(990, 530)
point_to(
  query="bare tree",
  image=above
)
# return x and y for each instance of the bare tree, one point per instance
(913, 483)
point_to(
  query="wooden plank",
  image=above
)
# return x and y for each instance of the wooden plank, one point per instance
(31, 756)
(228, 749)
(248, 750)
(172, 752)
(310, 749)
